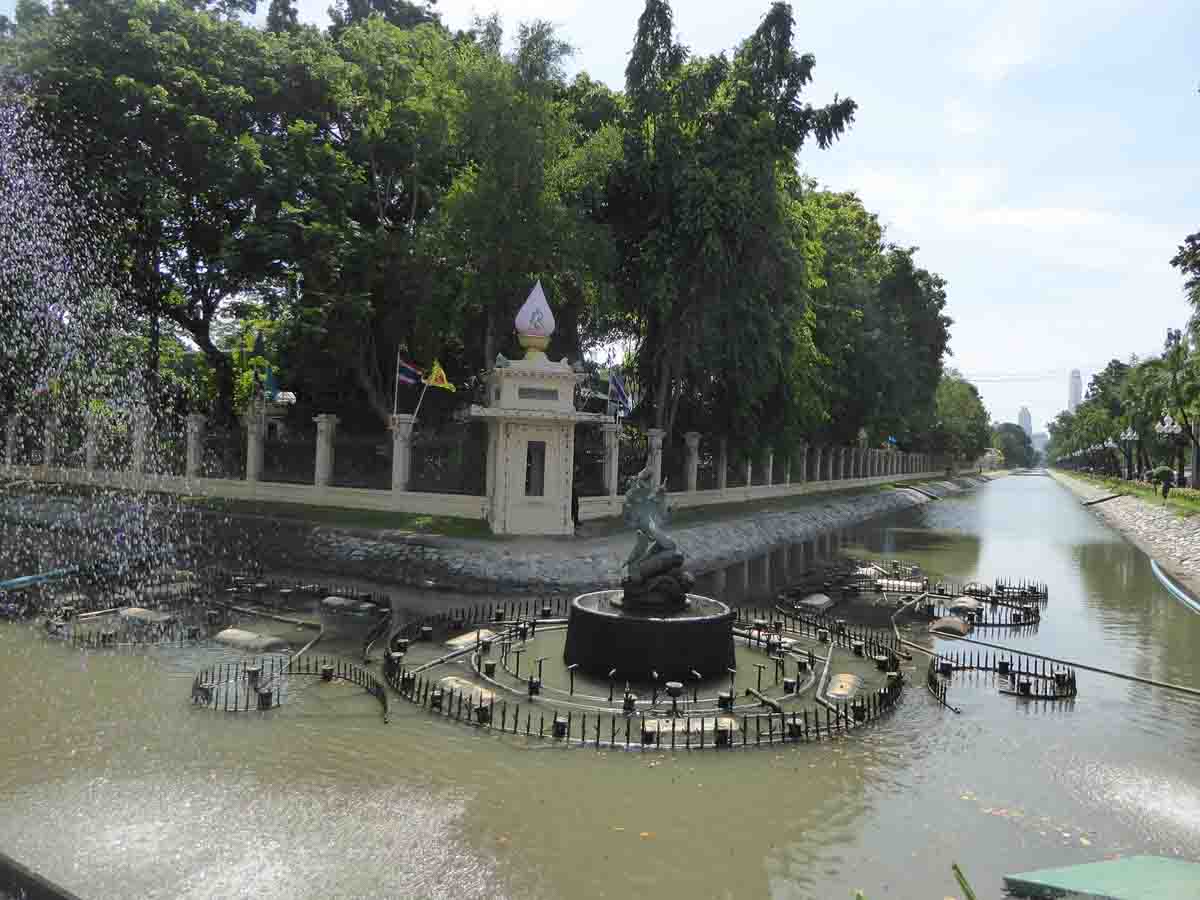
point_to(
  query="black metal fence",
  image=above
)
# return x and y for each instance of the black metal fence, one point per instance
(718, 729)
(1029, 677)
(259, 684)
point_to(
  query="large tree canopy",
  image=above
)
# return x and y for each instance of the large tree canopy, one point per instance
(386, 187)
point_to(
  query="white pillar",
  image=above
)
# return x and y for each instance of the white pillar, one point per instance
(749, 472)
(195, 444)
(91, 441)
(256, 430)
(401, 426)
(692, 439)
(723, 464)
(50, 442)
(326, 429)
(802, 458)
(11, 427)
(654, 437)
(770, 476)
(816, 464)
(612, 457)
(841, 461)
(141, 426)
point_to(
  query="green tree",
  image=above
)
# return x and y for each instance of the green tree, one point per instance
(282, 16)
(164, 107)
(701, 220)
(962, 428)
(401, 13)
(1011, 440)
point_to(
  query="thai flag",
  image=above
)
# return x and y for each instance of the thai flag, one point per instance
(617, 394)
(407, 373)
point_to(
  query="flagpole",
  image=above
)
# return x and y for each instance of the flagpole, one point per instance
(396, 387)
(419, 399)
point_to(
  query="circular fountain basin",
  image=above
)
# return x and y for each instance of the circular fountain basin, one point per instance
(603, 634)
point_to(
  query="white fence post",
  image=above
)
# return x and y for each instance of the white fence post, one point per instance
(50, 442)
(326, 429)
(723, 464)
(256, 427)
(612, 457)
(692, 439)
(141, 423)
(91, 441)
(195, 444)
(401, 426)
(654, 437)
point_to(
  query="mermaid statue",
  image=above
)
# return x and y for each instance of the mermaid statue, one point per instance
(654, 573)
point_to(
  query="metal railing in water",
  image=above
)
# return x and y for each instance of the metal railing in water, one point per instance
(258, 684)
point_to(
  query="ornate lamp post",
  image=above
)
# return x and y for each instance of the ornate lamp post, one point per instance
(1128, 437)
(1170, 430)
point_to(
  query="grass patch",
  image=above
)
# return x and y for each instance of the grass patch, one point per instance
(449, 526)
(417, 523)
(1181, 501)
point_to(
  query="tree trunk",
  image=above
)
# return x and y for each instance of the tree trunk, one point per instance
(377, 398)
(660, 393)
(225, 419)
(153, 356)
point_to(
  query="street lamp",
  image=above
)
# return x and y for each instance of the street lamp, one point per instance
(1170, 429)
(1127, 437)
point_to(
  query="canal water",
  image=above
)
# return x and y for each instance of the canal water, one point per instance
(113, 785)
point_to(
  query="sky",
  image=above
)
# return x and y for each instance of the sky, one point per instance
(1042, 156)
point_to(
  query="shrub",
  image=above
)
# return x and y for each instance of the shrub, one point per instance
(1160, 474)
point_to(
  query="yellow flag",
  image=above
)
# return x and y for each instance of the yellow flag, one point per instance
(437, 377)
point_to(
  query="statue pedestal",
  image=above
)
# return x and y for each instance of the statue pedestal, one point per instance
(603, 634)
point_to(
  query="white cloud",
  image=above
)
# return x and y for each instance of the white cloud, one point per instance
(963, 119)
(1011, 37)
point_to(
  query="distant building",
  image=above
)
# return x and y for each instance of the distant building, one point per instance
(1025, 420)
(1040, 441)
(1074, 390)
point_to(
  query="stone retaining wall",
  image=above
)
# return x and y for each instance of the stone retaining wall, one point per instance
(586, 564)
(540, 564)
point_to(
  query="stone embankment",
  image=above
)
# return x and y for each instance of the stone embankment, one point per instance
(582, 564)
(540, 564)
(1166, 537)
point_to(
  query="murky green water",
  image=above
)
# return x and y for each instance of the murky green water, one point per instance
(112, 784)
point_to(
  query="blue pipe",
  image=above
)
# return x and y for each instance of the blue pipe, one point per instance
(1173, 589)
(24, 581)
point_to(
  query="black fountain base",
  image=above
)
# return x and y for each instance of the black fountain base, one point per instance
(696, 636)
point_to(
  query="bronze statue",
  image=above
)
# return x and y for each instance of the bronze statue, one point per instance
(645, 509)
(654, 569)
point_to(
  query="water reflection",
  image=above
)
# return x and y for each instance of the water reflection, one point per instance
(112, 783)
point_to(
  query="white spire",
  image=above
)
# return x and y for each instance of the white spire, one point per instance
(534, 318)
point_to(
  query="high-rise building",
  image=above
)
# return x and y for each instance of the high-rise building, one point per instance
(1074, 390)
(1025, 420)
